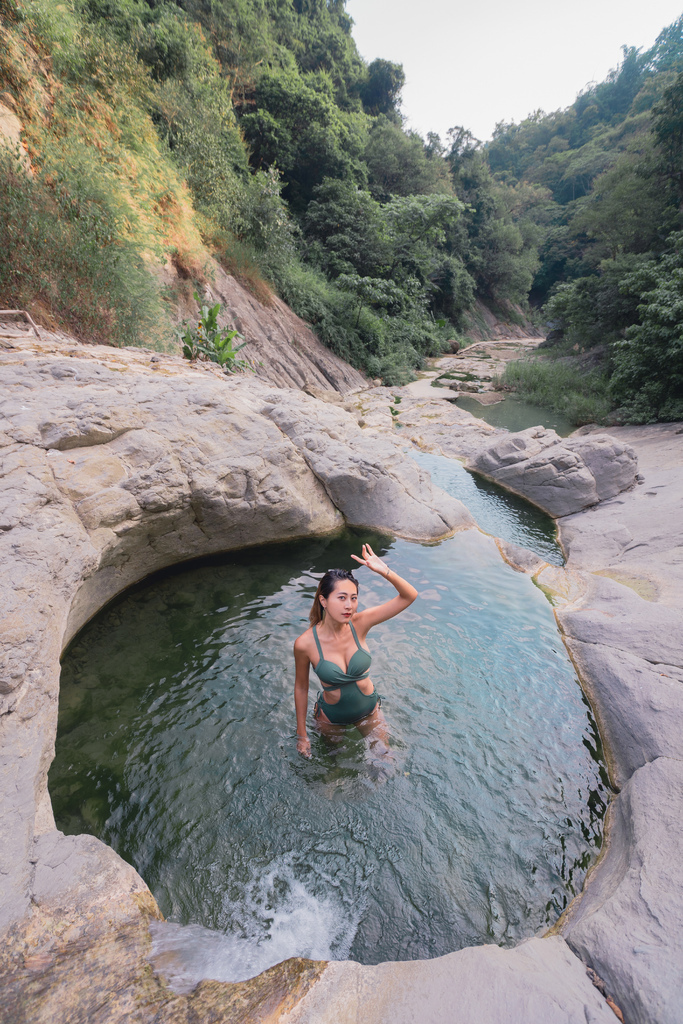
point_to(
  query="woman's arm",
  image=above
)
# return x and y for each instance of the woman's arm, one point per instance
(407, 593)
(302, 663)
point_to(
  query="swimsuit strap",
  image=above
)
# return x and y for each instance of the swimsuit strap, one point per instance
(320, 650)
(356, 638)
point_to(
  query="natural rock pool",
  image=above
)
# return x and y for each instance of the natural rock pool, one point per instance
(497, 511)
(176, 746)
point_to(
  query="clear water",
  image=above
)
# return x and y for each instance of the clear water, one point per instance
(516, 414)
(496, 510)
(176, 746)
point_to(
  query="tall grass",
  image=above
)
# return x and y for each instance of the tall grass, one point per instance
(563, 386)
(62, 258)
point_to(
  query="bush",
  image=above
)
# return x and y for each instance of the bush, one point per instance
(561, 386)
(62, 256)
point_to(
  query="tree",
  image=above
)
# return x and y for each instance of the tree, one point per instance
(399, 164)
(381, 91)
(647, 381)
(347, 229)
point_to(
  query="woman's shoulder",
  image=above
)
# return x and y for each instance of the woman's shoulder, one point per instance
(303, 642)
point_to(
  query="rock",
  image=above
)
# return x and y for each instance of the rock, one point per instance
(111, 471)
(638, 706)
(614, 616)
(628, 922)
(634, 536)
(552, 337)
(520, 558)
(539, 981)
(367, 477)
(560, 476)
(612, 464)
(282, 349)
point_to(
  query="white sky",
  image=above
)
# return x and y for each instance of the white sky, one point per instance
(478, 62)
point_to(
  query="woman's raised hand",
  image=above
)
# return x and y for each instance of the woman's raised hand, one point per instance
(372, 561)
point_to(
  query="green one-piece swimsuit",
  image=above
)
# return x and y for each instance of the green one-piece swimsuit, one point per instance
(353, 703)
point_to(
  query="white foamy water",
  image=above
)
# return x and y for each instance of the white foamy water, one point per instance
(275, 918)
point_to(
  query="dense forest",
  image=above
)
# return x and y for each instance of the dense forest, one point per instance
(252, 132)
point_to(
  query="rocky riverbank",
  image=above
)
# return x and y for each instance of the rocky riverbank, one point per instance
(120, 462)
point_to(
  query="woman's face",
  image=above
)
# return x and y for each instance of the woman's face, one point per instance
(342, 603)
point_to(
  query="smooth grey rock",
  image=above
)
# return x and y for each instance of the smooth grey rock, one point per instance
(367, 477)
(109, 471)
(638, 534)
(538, 982)
(520, 558)
(614, 615)
(612, 464)
(638, 706)
(628, 922)
(557, 475)
(73, 874)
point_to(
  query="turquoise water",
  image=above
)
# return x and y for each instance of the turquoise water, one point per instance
(496, 510)
(176, 746)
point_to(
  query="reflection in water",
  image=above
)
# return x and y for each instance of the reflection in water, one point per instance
(176, 746)
(497, 511)
(516, 414)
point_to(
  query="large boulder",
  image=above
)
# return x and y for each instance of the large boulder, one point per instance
(367, 476)
(628, 922)
(560, 475)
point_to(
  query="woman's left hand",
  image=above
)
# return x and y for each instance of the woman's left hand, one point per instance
(372, 561)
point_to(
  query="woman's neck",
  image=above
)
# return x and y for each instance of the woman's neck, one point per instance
(334, 627)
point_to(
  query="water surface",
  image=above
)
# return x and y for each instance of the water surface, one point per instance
(176, 746)
(516, 414)
(497, 511)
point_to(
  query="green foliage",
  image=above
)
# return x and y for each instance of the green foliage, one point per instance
(65, 256)
(205, 339)
(399, 163)
(598, 308)
(381, 90)
(561, 385)
(647, 382)
(298, 127)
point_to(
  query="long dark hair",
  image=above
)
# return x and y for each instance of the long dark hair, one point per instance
(325, 588)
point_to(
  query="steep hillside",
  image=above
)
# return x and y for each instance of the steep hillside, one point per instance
(247, 132)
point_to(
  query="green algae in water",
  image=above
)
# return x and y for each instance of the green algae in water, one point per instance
(176, 746)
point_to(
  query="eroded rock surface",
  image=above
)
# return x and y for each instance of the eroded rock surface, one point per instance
(116, 463)
(561, 475)
(629, 921)
(281, 347)
(537, 982)
(114, 466)
(366, 476)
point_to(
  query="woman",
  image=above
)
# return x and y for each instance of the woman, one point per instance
(334, 646)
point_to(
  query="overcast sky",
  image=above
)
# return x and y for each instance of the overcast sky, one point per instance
(484, 61)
